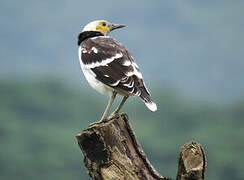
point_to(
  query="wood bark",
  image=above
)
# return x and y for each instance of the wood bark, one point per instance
(112, 152)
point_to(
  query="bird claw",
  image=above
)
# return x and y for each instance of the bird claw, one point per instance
(113, 115)
(103, 120)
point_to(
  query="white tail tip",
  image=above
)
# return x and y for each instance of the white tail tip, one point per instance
(152, 106)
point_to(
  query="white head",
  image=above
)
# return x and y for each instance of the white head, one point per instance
(102, 26)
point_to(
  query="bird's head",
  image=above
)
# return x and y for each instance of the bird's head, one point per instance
(102, 26)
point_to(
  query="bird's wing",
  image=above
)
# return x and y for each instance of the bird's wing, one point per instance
(113, 65)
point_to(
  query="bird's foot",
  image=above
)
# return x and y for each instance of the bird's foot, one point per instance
(103, 120)
(113, 115)
(95, 124)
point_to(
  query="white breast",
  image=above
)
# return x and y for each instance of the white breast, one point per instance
(91, 78)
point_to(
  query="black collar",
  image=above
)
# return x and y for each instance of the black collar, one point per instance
(88, 34)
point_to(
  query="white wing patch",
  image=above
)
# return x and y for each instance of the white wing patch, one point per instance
(130, 85)
(126, 63)
(94, 50)
(82, 50)
(134, 64)
(115, 84)
(103, 62)
(135, 71)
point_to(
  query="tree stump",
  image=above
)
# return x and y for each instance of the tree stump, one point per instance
(112, 152)
(192, 162)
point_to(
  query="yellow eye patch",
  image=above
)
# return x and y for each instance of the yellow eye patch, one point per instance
(102, 27)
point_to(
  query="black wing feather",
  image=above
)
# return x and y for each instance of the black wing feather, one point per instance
(116, 74)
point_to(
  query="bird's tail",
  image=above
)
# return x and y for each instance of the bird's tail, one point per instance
(146, 97)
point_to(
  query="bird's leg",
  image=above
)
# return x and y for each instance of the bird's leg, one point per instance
(111, 100)
(116, 111)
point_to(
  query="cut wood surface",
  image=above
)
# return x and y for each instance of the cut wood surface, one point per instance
(192, 162)
(112, 152)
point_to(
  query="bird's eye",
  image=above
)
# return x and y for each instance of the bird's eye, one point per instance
(104, 24)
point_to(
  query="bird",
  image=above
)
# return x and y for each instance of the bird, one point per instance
(109, 67)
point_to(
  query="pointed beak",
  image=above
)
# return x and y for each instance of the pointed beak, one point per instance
(116, 26)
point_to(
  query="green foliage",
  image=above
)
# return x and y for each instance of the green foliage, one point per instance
(39, 121)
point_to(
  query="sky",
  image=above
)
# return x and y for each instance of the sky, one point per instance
(195, 47)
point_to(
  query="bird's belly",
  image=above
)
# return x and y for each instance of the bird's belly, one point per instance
(96, 84)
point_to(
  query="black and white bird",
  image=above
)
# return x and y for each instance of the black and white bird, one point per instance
(109, 67)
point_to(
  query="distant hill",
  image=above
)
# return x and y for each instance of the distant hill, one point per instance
(40, 118)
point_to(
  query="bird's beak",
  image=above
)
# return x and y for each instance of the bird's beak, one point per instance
(116, 26)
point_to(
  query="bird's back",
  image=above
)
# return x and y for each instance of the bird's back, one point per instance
(113, 65)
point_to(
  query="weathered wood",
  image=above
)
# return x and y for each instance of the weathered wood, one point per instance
(192, 162)
(112, 152)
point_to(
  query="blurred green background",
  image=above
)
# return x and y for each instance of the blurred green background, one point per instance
(190, 54)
